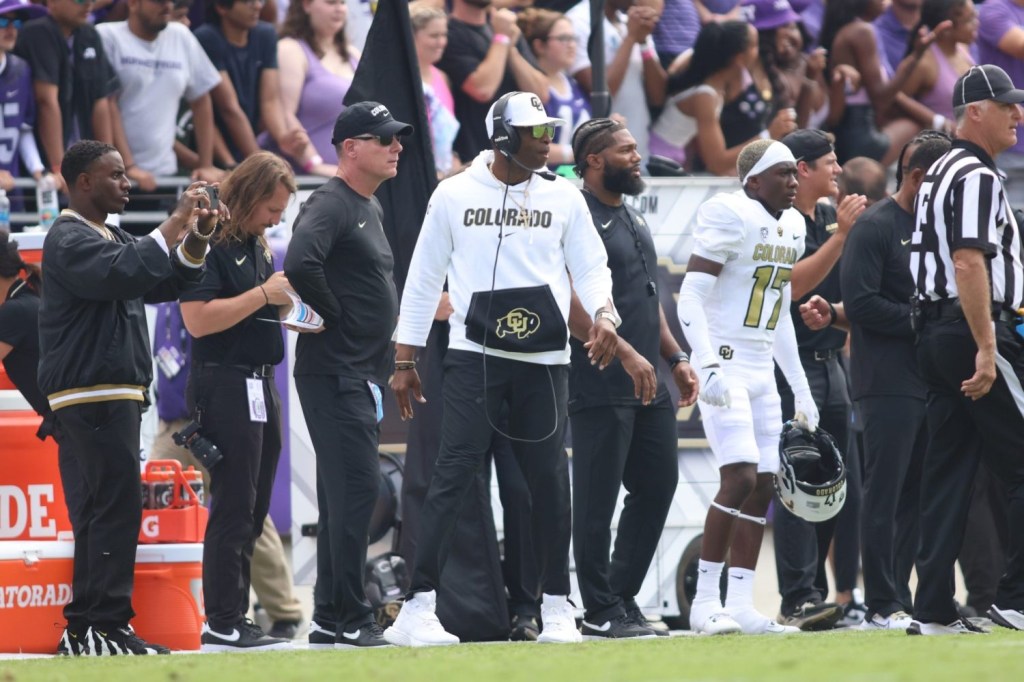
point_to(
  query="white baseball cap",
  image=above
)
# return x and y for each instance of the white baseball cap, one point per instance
(522, 110)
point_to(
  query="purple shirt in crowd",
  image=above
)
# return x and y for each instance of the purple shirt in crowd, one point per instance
(996, 17)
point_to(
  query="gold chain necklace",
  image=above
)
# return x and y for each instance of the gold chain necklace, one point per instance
(524, 210)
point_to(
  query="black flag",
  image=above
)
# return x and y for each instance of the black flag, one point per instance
(389, 73)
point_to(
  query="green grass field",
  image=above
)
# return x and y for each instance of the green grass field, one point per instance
(825, 657)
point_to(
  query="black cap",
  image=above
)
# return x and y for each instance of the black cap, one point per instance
(367, 118)
(808, 144)
(985, 82)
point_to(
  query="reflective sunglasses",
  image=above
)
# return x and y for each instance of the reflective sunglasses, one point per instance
(7, 21)
(539, 131)
(382, 140)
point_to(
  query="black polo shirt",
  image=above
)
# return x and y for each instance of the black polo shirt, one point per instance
(232, 268)
(819, 231)
(877, 286)
(340, 262)
(19, 328)
(633, 262)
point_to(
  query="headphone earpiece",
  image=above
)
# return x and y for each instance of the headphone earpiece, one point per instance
(504, 137)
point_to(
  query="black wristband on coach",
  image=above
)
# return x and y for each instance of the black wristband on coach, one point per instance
(676, 358)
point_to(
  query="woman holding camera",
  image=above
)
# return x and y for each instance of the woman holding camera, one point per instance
(232, 316)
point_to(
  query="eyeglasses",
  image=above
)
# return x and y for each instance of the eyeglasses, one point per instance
(567, 39)
(539, 131)
(8, 21)
(382, 140)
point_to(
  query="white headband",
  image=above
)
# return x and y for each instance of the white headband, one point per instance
(775, 153)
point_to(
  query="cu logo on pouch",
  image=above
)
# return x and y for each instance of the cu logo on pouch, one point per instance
(518, 321)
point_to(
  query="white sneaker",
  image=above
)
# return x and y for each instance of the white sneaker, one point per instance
(1008, 618)
(752, 622)
(900, 620)
(559, 623)
(417, 624)
(960, 626)
(709, 617)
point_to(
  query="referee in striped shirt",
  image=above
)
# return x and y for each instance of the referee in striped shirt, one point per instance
(966, 259)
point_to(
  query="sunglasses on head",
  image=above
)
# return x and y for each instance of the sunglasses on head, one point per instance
(16, 22)
(382, 140)
(538, 132)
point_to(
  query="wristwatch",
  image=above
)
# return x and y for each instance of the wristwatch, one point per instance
(609, 315)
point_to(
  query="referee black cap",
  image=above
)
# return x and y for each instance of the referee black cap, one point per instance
(367, 118)
(985, 82)
(808, 144)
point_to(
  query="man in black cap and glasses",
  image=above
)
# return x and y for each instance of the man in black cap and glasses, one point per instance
(340, 263)
(965, 257)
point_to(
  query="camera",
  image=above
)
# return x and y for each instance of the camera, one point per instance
(214, 195)
(204, 450)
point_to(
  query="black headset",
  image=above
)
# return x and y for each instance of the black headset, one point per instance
(504, 137)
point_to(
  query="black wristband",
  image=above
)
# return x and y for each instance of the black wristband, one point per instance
(832, 312)
(676, 358)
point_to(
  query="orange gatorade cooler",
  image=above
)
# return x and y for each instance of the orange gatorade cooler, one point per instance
(31, 496)
(35, 584)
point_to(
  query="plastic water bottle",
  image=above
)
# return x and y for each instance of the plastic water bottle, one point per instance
(5, 211)
(46, 200)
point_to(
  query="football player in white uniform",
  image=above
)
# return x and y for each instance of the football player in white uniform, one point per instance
(734, 310)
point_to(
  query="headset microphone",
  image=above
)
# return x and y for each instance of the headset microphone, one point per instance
(544, 173)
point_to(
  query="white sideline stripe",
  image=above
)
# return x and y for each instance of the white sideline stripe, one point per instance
(1012, 382)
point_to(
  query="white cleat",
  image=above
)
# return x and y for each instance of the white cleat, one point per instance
(752, 622)
(900, 620)
(710, 618)
(559, 623)
(417, 624)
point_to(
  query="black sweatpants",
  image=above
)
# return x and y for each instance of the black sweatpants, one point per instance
(536, 397)
(98, 458)
(614, 446)
(240, 484)
(895, 439)
(983, 553)
(801, 547)
(341, 415)
(962, 432)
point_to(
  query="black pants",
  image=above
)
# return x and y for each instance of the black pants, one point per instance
(846, 538)
(98, 457)
(895, 439)
(961, 433)
(536, 397)
(614, 446)
(240, 484)
(519, 563)
(342, 418)
(982, 555)
(801, 547)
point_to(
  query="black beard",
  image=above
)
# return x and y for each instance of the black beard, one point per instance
(622, 181)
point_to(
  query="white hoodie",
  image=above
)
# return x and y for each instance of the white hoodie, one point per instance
(459, 239)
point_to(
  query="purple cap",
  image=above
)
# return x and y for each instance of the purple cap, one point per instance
(768, 14)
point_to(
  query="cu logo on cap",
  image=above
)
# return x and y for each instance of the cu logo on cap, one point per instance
(535, 103)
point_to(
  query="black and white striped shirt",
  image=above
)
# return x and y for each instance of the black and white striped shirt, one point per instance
(961, 204)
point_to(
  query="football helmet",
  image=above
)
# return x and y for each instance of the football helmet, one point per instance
(811, 481)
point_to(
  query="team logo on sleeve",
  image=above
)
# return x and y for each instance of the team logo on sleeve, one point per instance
(725, 352)
(519, 321)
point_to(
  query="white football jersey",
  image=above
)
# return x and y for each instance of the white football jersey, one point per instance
(757, 252)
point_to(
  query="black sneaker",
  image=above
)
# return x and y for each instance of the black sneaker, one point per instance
(244, 636)
(320, 635)
(120, 641)
(635, 615)
(524, 629)
(619, 627)
(74, 641)
(368, 636)
(284, 629)
(812, 616)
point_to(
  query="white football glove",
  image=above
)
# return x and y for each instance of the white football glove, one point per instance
(805, 411)
(713, 389)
